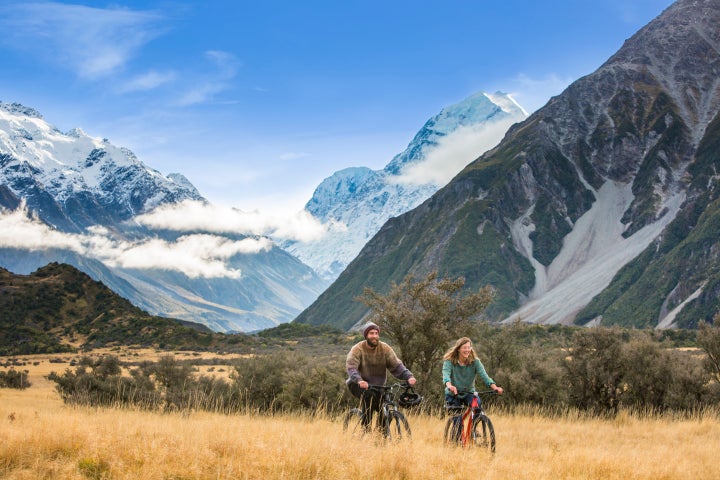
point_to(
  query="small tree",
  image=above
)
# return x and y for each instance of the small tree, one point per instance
(14, 379)
(594, 369)
(422, 317)
(172, 374)
(708, 338)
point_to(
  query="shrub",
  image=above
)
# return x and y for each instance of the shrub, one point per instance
(14, 379)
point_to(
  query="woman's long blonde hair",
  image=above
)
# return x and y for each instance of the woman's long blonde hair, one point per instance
(454, 353)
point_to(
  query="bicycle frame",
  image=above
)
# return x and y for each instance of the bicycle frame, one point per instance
(391, 423)
(387, 401)
(471, 416)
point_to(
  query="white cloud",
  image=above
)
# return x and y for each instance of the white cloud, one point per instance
(147, 81)
(195, 255)
(208, 86)
(192, 216)
(226, 63)
(453, 152)
(94, 42)
(19, 231)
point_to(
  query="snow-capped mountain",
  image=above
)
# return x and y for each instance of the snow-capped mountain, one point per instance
(74, 180)
(76, 199)
(357, 201)
(602, 207)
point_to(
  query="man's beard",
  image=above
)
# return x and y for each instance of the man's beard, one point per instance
(372, 342)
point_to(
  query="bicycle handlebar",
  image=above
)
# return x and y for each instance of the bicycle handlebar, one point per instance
(488, 392)
(389, 386)
(485, 392)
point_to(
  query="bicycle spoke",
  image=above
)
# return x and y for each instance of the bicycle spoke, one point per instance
(469, 427)
(391, 423)
(354, 423)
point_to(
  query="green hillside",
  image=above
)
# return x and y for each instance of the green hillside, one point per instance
(58, 308)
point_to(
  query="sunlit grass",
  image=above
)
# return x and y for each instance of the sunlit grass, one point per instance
(42, 438)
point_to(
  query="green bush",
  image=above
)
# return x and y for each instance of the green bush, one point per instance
(292, 382)
(14, 379)
(594, 370)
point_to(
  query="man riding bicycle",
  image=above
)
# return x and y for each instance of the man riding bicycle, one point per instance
(367, 364)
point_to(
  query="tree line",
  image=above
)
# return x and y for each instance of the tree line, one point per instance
(596, 370)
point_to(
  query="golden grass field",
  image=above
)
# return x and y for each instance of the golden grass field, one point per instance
(41, 438)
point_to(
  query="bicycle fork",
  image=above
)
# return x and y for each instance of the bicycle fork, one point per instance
(466, 430)
(384, 420)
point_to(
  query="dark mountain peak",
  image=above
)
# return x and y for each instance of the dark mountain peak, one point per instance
(20, 109)
(583, 211)
(680, 52)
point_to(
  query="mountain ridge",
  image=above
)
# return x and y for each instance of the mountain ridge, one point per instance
(618, 148)
(75, 199)
(356, 201)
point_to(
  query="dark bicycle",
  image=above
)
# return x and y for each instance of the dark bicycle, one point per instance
(391, 424)
(469, 425)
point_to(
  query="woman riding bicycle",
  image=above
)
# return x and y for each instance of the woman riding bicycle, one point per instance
(459, 370)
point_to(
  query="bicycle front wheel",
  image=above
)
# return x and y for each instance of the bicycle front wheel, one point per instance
(452, 431)
(355, 423)
(396, 426)
(483, 432)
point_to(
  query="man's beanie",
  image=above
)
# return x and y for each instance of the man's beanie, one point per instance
(368, 327)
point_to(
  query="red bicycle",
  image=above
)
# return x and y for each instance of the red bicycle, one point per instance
(469, 425)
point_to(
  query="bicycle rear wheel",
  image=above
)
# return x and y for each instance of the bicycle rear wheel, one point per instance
(452, 431)
(483, 432)
(396, 426)
(354, 424)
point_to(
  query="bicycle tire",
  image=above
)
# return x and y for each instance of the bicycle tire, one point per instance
(452, 431)
(353, 423)
(396, 426)
(483, 432)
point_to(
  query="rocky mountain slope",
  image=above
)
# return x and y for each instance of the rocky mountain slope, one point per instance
(75, 199)
(600, 208)
(357, 201)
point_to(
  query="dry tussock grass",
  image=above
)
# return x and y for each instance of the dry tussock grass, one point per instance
(42, 438)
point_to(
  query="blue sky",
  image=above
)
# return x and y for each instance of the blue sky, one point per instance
(256, 102)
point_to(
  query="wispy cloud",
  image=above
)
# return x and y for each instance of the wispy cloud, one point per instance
(198, 255)
(94, 42)
(218, 79)
(147, 81)
(195, 255)
(453, 152)
(197, 216)
(19, 231)
(533, 93)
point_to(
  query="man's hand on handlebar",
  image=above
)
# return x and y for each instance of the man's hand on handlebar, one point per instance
(365, 385)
